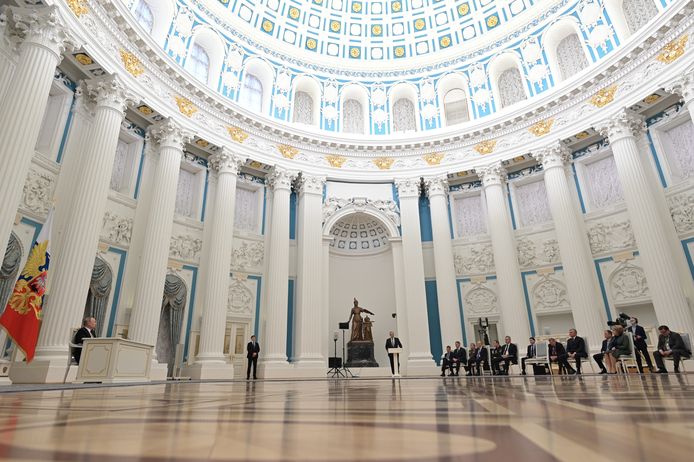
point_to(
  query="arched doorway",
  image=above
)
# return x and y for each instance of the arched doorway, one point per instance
(171, 320)
(99, 294)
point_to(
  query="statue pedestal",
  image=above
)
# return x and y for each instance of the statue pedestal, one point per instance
(360, 353)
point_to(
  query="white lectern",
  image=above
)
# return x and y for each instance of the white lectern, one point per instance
(396, 360)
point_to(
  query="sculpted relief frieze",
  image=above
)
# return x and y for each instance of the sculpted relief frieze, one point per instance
(38, 192)
(185, 247)
(481, 300)
(550, 294)
(474, 259)
(628, 283)
(541, 253)
(386, 207)
(117, 229)
(240, 299)
(606, 237)
(682, 212)
(247, 256)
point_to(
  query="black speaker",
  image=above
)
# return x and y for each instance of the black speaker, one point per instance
(344, 325)
(334, 363)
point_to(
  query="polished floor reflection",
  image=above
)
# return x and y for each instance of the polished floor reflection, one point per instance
(520, 419)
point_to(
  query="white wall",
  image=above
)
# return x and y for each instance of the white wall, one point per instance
(370, 280)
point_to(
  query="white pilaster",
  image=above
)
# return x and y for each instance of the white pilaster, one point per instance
(43, 39)
(72, 271)
(309, 295)
(576, 258)
(511, 298)
(659, 264)
(144, 319)
(401, 324)
(419, 360)
(210, 362)
(273, 361)
(449, 311)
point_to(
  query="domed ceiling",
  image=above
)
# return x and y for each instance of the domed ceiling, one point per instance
(359, 233)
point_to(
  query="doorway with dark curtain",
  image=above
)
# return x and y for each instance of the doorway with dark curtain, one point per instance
(171, 320)
(99, 294)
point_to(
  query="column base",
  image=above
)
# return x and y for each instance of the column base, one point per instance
(276, 370)
(418, 367)
(40, 371)
(209, 371)
(158, 371)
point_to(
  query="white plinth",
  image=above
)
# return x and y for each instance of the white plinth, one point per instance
(209, 371)
(111, 360)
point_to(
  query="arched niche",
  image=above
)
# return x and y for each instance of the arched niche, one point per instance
(450, 83)
(508, 89)
(260, 69)
(358, 94)
(554, 36)
(162, 13)
(398, 94)
(311, 87)
(214, 47)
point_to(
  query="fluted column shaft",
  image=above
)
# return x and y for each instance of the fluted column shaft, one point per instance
(82, 221)
(413, 270)
(144, 319)
(576, 258)
(24, 103)
(659, 265)
(275, 335)
(513, 313)
(309, 295)
(216, 292)
(449, 312)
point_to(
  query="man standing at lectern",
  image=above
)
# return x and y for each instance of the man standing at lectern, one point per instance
(393, 342)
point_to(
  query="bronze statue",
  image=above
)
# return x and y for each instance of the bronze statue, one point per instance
(357, 322)
(368, 336)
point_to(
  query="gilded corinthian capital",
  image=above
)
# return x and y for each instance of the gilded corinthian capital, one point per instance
(555, 155)
(491, 174)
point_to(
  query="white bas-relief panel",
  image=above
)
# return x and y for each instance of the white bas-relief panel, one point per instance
(38, 191)
(531, 205)
(682, 211)
(600, 177)
(116, 229)
(247, 255)
(608, 234)
(186, 242)
(472, 259)
(628, 284)
(537, 249)
(469, 216)
(242, 296)
(548, 293)
(480, 299)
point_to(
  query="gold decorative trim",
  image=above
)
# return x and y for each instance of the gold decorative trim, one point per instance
(185, 106)
(237, 134)
(650, 99)
(78, 7)
(131, 63)
(542, 128)
(288, 152)
(384, 163)
(485, 147)
(433, 158)
(604, 96)
(335, 161)
(673, 50)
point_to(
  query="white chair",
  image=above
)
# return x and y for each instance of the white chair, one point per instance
(70, 360)
(631, 359)
(688, 344)
(541, 356)
(589, 358)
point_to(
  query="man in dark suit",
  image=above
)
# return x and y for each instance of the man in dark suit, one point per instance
(639, 335)
(557, 354)
(459, 356)
(576, 350)
(670, 344)
(481, 359)
(393, 342)
(531, 352)
(471, 358)
(495, 354)
(86, 331)
(447, 362)
(606, 346)
(507, 354)
(252, 351)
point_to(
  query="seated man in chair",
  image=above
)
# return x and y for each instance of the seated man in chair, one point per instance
(670, 344)
(481, 359)
(86, 331)
(459, 356)
(530, 353)
(576, 350)
(508, 354)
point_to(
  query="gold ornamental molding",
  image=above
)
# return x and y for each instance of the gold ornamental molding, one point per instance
(288, 152)
(673, 50)
(237, 134)
(186, 106)
(335, 161)
(485, 147)
(433, 158)
(131, 63)
(384, 163)
(542, 128)
(604, 96)
(78, 7)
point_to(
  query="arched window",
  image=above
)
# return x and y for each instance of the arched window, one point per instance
(251, 96)
(303, 108)
(510, 87)
(570, 56)
(144, 16)
(352, 117)
(455, 107)
(403, 116)
(198, 63)
(638, 13)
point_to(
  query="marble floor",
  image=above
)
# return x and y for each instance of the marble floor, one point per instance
(590, 418)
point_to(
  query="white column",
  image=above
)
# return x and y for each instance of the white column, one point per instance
(419, 360)
(210, 361)
(669, 300)
(576, 258)
(449, 310)
(43, 39)
(401, 326)
(325, 300)
(309, 295)
(508, 278)
(144, 319)
(274, 338)
(72, 271)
